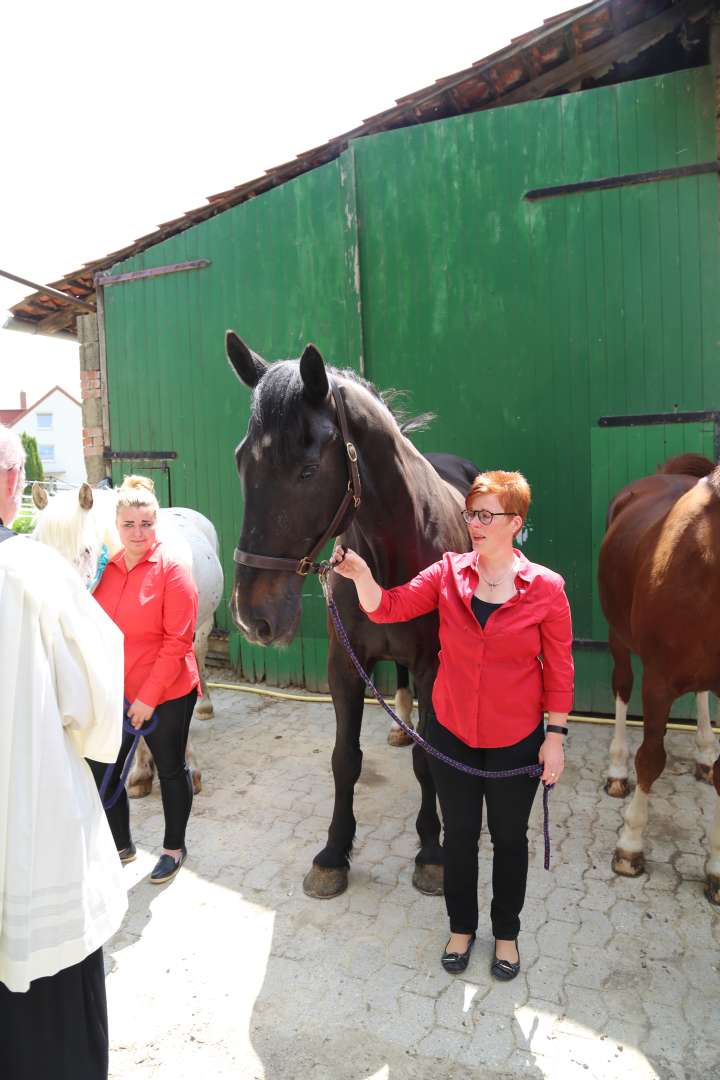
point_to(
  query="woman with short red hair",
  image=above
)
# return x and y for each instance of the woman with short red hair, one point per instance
(505, 659)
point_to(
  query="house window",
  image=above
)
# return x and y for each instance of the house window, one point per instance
(44, 421)
(47, 453)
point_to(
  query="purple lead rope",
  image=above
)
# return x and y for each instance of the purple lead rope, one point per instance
(147, 728)
(527, 770)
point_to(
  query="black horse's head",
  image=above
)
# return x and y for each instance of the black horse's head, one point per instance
(293, 475)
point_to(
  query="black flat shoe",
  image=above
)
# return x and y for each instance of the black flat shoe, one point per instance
(166, 868)
(505, 969)
(128, 854)
(455, 962)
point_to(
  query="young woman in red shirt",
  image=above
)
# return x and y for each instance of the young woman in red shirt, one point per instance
(152, 597)
(505, 658)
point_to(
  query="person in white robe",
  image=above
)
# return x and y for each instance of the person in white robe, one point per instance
(61, 887)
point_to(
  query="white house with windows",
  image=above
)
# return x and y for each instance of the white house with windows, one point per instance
(55, 421)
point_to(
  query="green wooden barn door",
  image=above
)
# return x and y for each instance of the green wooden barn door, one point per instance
(159, 474)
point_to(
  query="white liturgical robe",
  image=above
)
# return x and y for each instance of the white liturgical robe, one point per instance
(61, 695)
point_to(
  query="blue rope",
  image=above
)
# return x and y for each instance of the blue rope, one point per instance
(102, 563)
(147, 729)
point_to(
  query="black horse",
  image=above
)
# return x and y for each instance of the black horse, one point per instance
(293, 468)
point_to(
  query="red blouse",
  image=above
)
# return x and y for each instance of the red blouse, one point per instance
(155, 605)
(492, 684)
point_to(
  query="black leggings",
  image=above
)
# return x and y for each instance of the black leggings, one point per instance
(508, 809)
(167, 744)
(58, 1029)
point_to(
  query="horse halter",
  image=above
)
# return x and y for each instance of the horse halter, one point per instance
(350, 501)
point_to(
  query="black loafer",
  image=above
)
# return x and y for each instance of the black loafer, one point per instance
(166, 868)
(128, 854)
(505, 969)
(455, 962)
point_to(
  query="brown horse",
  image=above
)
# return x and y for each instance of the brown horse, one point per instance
(659, 582)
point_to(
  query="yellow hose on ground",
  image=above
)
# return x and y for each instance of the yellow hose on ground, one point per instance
(325, 699)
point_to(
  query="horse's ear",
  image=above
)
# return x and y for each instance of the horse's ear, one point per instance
(39, 496)
(247, 365)
(85, 496)
(314, 376)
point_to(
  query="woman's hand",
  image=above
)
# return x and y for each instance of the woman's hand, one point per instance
(348, 564)
(552, 757)
(139, 712)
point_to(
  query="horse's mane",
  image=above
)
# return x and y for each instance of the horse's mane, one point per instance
(277, 418)
(63, 525)
(687, 465)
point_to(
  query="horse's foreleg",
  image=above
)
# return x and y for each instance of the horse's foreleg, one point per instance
(428, 874)
(649, 763)
(140, 780)
(328, 876)
(622, 681)
(204, 708)
(707, 746)
(403, 707)
(712, 869)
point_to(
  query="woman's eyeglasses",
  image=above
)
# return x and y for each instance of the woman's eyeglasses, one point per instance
(485, 517)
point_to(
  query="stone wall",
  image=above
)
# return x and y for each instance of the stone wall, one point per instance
(95, 438)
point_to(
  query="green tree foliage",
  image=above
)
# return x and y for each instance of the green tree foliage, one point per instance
(33, 465)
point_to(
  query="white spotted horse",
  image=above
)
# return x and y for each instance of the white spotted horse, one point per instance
(324, 451)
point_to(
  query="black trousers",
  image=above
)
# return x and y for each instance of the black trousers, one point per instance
(167, 744)
(58, 1029)
(508, 804)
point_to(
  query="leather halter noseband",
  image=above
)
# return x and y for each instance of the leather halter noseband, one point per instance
(351, 500)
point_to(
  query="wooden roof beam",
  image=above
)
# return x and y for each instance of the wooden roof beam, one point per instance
(601, 58)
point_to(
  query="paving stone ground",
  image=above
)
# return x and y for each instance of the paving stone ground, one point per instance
(231, 972)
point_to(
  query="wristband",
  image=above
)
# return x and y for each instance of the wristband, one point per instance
(557, 729)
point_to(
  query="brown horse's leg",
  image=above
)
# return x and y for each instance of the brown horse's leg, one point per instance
(706, 743)
(649, 763)
(622, 684)
(328, 876)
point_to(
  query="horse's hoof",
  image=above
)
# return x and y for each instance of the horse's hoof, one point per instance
(628, 863)
(617, 787)
(325, 882)
(139, 789)
(204, 710)
(712, 889)
(704, 773)
(196, 781)
(428, 878)
(397, 737)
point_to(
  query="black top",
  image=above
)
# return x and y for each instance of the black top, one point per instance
(482, 609)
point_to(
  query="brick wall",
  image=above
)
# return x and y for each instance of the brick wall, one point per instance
(92, 390)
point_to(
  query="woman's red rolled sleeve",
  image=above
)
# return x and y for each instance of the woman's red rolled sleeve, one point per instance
(558, 667)
(408, 601)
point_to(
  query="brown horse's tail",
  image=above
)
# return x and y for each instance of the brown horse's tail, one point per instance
(687, 465)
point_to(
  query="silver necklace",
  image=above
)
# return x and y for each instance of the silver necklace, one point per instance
(493, 584)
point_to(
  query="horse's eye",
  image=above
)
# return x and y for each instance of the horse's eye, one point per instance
(308, 471)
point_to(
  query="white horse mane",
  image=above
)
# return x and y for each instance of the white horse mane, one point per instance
(79, 535)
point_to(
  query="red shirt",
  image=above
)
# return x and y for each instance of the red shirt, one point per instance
(492, 684)
(155, 605)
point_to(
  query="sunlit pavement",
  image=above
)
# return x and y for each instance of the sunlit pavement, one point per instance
(230, 971)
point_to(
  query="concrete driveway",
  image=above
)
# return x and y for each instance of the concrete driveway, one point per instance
(231, 972)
